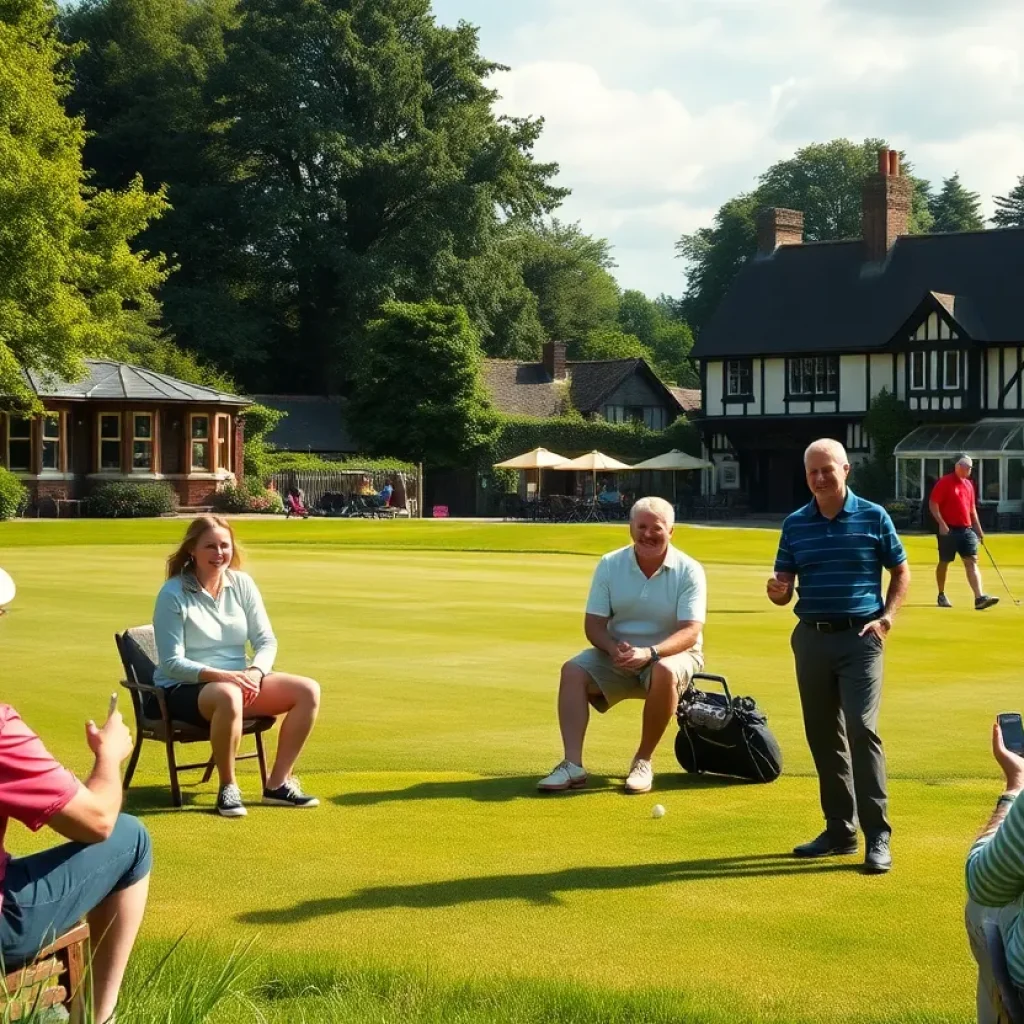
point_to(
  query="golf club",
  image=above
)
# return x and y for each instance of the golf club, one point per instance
(999, 574)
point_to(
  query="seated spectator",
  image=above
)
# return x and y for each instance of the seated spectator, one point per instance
(644, 621)
(995, 885)
(101, 874)
(385, 494)
(366, 487)
(206, 613)
(295, 504)
(610, 495)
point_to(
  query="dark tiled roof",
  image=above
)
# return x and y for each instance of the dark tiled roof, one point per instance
(107, 380)
(688, 399)
(823, 296)
(592, 381)
(521, 389)
(313, 424)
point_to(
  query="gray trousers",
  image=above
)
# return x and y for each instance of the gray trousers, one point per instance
(840, 680)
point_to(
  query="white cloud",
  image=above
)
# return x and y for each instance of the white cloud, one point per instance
(660, 110)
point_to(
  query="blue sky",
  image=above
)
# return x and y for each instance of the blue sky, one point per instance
(659, 110)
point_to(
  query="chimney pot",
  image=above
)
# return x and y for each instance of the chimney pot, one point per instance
(883, 162)
(553, 357)
(894, 163)
(776, 226)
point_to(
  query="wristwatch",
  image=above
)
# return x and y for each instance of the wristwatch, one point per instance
(1006, 798)
(257, 669)
(655, 655)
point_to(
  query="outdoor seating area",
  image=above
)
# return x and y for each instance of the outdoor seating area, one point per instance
(608, 505)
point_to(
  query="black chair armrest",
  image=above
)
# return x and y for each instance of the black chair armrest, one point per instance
(140, 687)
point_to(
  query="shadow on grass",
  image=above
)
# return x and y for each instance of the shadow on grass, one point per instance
(505, 788)
(542, 888)
(147, 801)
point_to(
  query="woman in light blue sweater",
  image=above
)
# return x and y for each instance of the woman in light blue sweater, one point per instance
(206, 614)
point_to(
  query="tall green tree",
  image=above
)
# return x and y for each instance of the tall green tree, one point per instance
(71, 284)
(416, 390)
(667, 338)
(141, 81)
(372, 166)
(955, 208)
(568, 272)
(1010, 208)
(823, 180)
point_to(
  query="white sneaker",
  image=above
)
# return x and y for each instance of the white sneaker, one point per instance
(641, 777)
(565, 776)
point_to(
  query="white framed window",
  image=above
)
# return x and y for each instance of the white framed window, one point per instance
(199, 443)
(738, 378)
(814, 375)
(109, 442)
(142, 442)
(950, 370)
(52, 431)
(19, 444)
(918, 374)
(223, 441)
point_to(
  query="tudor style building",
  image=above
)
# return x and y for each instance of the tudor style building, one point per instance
(122, 422)
(809, 333)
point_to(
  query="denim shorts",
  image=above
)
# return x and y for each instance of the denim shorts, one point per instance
(47, 893)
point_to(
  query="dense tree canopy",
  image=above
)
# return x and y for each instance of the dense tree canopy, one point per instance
(955, 208)
(417, 392)
(70, 284)
(1010, 208)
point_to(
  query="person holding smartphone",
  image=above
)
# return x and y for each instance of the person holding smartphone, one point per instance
(995, 876)
(207, 614)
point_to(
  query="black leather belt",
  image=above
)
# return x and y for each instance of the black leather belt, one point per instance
(837, 625)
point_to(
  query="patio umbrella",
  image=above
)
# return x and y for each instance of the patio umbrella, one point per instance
(596, 462)
(538, 459)
(673, 462)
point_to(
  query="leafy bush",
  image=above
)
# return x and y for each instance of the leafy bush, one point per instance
(871, 479)
(123, 500)
(12, 495)
(248, 496)
(303, 462)
(256, 450)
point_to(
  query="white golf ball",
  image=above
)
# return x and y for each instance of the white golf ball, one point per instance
(657, 811)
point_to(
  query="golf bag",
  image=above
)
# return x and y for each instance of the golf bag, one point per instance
(725, 735)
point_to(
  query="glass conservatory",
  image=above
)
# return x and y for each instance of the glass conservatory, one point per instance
(997, 447)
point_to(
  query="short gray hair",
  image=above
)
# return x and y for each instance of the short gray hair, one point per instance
(831, 447)
(656, 506)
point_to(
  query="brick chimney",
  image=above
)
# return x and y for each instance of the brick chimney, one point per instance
(554, 359)
(776, 227)
(886, 210)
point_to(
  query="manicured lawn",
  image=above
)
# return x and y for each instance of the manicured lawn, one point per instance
(431, 866)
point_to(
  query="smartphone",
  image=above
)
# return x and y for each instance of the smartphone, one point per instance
(1012, 728)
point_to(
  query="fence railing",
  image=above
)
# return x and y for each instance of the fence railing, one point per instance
(315, 483)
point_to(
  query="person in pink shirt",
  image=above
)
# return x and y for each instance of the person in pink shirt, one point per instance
(101, 874)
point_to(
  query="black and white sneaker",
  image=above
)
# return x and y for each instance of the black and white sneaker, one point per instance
(229, 802)
(289, 795)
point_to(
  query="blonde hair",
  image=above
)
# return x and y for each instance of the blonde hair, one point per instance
(657, 507)
(182, 558)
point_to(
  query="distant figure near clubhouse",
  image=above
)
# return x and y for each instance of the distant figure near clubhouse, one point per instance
(644, 617)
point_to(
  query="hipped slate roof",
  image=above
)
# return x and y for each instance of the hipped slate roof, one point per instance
(526, 389)
(824, 296)
(313, 424)
(107, 380)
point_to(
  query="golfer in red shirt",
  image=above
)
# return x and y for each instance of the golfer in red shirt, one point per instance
(952, 505)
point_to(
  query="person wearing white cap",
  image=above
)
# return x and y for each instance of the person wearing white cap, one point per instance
(953, 506)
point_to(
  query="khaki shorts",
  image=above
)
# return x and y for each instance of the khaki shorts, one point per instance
(611, 684)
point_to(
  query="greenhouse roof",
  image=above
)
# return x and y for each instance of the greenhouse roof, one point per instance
(989, 437)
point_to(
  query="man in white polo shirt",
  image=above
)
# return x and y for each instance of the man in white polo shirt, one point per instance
(647, 605)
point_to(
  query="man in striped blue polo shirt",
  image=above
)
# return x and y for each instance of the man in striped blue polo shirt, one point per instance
(834, 550)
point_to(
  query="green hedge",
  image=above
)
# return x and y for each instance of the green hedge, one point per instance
(12, 494)
(572, 436)
(302, 462)
(118, 500)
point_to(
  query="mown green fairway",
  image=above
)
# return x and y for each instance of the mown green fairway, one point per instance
(438, 646)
